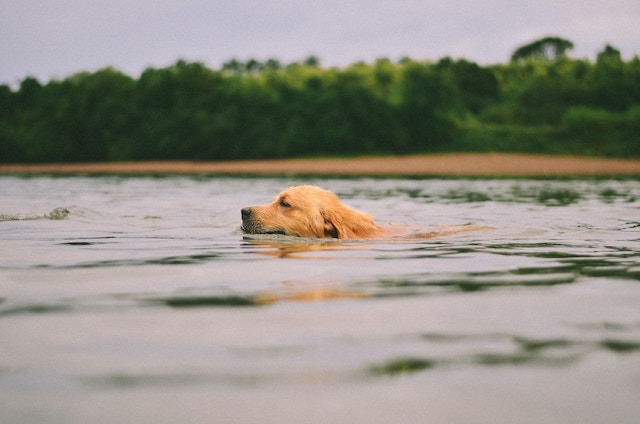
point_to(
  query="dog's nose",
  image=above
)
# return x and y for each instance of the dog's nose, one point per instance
(246, 212)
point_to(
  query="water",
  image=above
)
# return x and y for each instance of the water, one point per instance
(138, 300)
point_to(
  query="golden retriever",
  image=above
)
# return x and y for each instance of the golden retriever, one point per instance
(309, 211)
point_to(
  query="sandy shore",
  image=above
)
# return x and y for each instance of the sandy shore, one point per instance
(460, 164)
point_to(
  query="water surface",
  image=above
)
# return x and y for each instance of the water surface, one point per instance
(138, 299)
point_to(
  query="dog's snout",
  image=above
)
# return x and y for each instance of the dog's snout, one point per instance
(246, 213)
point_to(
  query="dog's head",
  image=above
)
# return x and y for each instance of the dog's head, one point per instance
(308, 211)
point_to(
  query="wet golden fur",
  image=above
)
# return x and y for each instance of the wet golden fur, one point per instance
(309, 211)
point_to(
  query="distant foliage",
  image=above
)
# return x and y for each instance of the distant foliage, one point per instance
(604, 132)
(547, 48)
(541, 102)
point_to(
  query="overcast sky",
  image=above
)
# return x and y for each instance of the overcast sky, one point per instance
(56, 38)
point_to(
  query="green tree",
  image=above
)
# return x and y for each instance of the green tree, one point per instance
(478, 87)
(609, 54)
(614, 84)
(428, 99)
(547, 48)
(312, 61)
(234, 66)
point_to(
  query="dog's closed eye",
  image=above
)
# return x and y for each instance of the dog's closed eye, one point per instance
(284, 203)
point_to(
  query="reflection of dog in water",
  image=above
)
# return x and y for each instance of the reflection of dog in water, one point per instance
(309, 211)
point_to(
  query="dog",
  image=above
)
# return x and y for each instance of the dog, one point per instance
(310, 211)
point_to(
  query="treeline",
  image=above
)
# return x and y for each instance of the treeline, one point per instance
(251, 110)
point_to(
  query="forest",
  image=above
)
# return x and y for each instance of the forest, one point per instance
(541, 101)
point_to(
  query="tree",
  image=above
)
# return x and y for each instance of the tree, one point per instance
(273, 64)
(428, 96)
(611, 85)
(547, 48)
(477, 86)
(234, 66)
(312, 61)
(30, 91)
(609, 54)
(6, 97)
(253, 66)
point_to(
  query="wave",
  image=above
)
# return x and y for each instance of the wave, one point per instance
(56, 214)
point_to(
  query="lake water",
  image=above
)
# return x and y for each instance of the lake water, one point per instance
(139, 300)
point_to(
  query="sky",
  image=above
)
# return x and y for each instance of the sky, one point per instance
(53, 39)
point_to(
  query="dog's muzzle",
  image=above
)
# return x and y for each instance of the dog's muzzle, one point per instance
(249, 225)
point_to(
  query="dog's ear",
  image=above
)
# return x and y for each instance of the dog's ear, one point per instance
(344, 222)
(330, 229)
